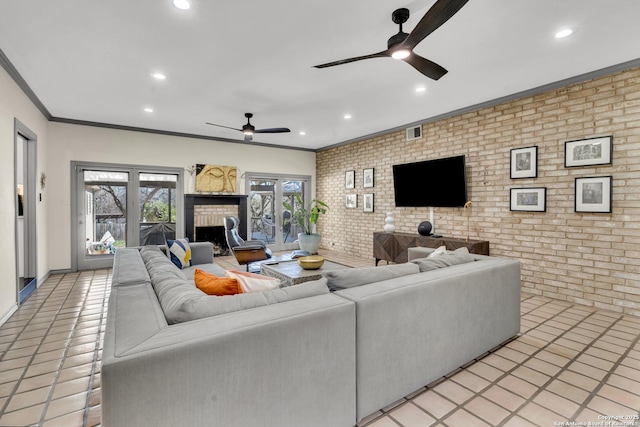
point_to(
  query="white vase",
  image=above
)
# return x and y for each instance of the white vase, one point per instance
(389, 223)
(309, 242)
(192, 184)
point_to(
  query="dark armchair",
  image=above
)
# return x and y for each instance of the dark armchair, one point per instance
(245, 251)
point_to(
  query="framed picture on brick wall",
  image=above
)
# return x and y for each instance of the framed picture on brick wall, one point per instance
(367, 202)
(351, 201)
(350, 179)
(524, 162)
(368, 178)
(593, 194)
(588, 152)
(533, 199)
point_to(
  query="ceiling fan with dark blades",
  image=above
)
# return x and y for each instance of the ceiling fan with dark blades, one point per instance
(248, 129)
(401, 45)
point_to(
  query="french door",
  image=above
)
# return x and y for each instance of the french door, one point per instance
(271, 201)
(118, 206)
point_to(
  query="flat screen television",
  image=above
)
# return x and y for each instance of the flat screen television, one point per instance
(431, 183)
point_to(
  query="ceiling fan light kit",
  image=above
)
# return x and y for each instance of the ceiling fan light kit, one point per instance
(401, 45)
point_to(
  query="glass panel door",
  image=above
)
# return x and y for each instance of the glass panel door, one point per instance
(290, 188)
(119, 206)
(270, 217)
(157, 218)
(103, 216)
(262, 210)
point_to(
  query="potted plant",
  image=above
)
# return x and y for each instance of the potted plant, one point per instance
(306, 218)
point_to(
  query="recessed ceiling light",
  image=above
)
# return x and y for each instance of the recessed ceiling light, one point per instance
(564, 33)
(421, 89)
(303, 133)
(158, 76)
(347, 116)
(182, 4)
(148, 109)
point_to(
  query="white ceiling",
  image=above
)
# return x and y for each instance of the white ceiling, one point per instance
(91, 60)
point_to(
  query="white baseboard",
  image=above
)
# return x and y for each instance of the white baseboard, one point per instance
(8, 314)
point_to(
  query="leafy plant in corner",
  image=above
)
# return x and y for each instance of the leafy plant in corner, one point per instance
(306, 217)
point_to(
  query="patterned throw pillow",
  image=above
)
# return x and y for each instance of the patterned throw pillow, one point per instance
(179, 252)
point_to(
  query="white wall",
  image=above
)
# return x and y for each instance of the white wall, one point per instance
(15, 104)
(86, 143)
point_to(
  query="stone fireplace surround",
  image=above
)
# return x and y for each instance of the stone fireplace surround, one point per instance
(209, 210)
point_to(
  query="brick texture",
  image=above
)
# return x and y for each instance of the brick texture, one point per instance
(587, 258)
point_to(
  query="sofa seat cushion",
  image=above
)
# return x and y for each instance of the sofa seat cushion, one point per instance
(352, 277)
(459, 256)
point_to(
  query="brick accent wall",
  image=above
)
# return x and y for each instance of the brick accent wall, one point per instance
(211, 215)
(592, 259)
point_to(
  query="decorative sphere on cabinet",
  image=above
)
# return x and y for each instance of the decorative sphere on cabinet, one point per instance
(424, 229)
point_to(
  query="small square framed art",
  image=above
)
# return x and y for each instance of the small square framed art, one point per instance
(593, 194)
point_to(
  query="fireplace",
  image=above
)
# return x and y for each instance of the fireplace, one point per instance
(215, 235)
(208, 211)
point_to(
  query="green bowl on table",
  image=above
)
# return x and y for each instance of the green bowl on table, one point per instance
(312, 262)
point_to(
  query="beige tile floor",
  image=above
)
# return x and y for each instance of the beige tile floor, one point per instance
(570, 363)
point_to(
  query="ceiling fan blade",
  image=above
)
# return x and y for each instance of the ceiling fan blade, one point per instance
(272, 130)
(439, 13)
(357, 58)
(220, 126)
(426, 67)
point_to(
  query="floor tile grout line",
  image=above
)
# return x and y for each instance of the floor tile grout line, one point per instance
(54, 383)
(543, 387)
(35, 354)
(609, 373)
(507, 373)
(97, 350)
(461, 406)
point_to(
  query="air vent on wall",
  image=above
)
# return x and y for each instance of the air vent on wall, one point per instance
(414, 133)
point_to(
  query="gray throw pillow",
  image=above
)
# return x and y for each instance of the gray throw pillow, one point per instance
(459, 256)
(351, 277)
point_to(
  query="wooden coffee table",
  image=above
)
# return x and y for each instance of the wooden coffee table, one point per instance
(290, 272)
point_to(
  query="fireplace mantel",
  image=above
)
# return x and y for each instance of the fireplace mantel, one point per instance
(192, 200)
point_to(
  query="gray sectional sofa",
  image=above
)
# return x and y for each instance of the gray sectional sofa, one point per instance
(298, 356)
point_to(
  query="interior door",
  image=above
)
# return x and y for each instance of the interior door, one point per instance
(26, 228)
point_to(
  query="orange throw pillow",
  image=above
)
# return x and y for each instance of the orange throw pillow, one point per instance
(214, 285)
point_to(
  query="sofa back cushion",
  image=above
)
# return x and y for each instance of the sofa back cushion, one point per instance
(182, 301)
(351, 277)
(459, 256)
(128, 268)
(209, 305)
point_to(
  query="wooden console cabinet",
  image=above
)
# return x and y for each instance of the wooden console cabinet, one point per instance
(393, 247)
